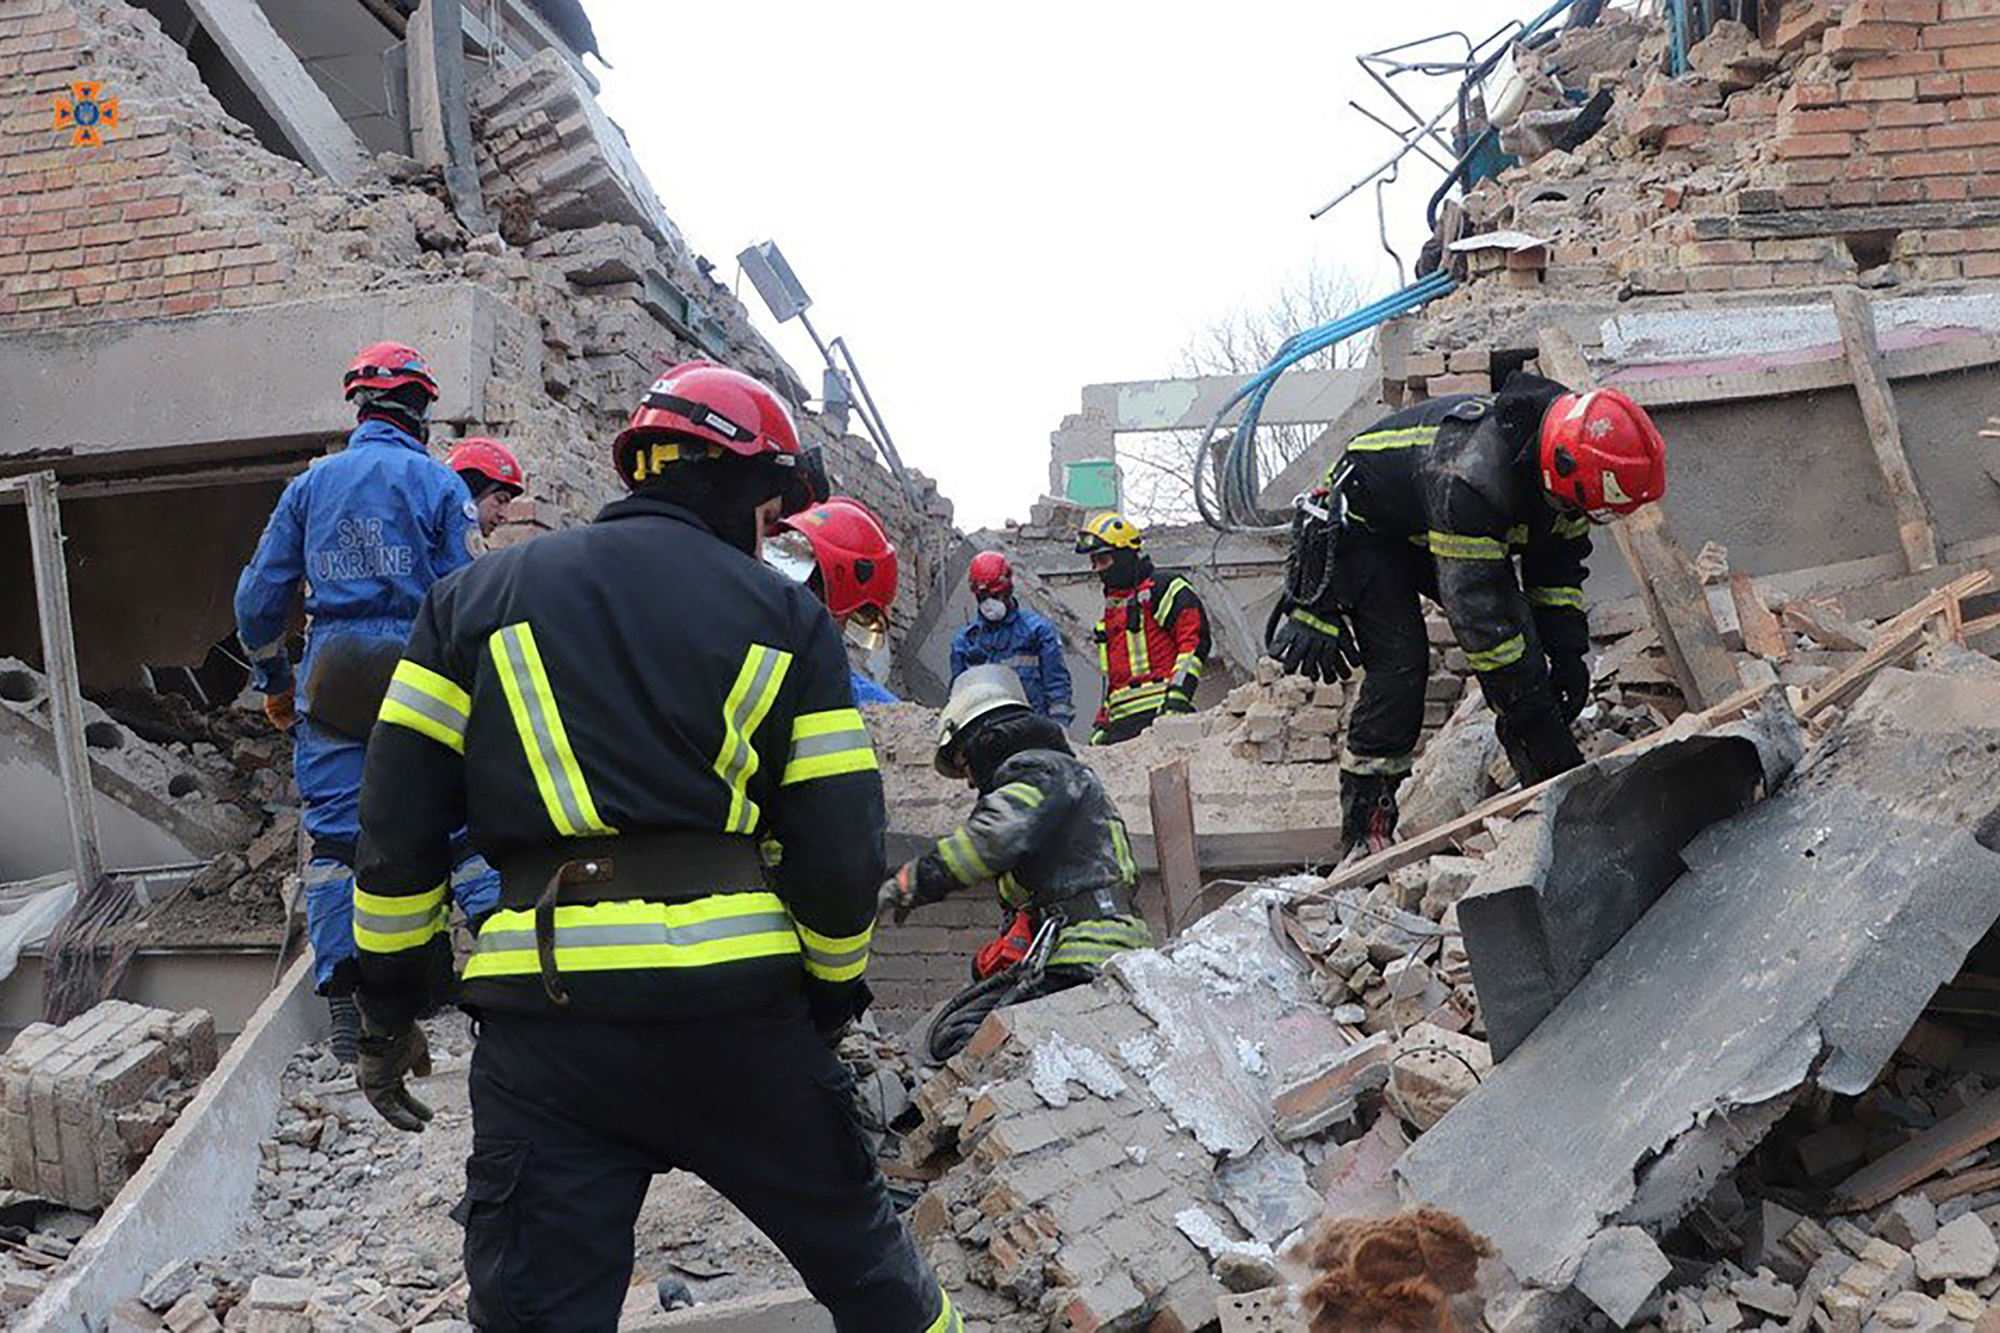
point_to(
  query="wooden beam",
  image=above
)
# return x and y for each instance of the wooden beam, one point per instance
(1820, 623)
(59, 664)
(440, 118)
(1172, 803)
(1665, 576)
(1761, 632)
(1894, 642)
(1922, 1157)
(301, 110)
(1878, 407)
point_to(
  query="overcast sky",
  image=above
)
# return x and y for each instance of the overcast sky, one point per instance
(998, 205)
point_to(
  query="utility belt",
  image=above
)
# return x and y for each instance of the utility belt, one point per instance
(670, 867)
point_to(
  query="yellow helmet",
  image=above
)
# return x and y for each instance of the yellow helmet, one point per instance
(1109, 531)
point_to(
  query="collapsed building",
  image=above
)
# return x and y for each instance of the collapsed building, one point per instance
(1719, 994)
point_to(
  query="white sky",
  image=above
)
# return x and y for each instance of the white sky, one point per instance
(999, 204)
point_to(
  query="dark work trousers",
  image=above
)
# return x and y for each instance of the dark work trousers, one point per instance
(1380, 580)
(572, 1118)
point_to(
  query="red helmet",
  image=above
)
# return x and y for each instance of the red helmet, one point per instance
(1601, 452)
(488, 458)
(857, 563)
(387, 366)
(711, 404)
(990, 574)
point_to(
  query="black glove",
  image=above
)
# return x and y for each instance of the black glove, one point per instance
(1316, 646)
(388, 1056)
(1570, 679)
(897, 897)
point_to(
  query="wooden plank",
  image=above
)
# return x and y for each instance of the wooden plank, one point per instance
(1761, 632)
(1922, 1157)
(1446, 836)
(1172, 802)
(440, 119)
(1819, 622)
(1661, 569)
(1784, 378)
(1968, 1182)
(65, 694)
(1810, 222)
(297, 106)
(1894, 642)
(1878, 408)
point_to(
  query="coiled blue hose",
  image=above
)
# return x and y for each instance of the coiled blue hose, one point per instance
(1236, 506)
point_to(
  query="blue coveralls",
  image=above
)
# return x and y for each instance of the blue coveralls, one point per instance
(867, 691)
(1029, 644)
(367, 531)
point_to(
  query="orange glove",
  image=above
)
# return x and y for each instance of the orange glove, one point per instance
(282, 709)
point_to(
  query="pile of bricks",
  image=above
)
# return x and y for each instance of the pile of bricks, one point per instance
(1279, 719)
(85, 1102)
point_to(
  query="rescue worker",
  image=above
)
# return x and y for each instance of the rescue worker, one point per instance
(491, 475)
(1006, 633)
(622, 710)
(366, 531)
(850, 564)
(1440, 500)
(1046, 831)
(1154, 637)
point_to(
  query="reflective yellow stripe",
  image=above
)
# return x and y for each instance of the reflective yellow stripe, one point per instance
(1517, 535)
(1391, 765)
(1311, 621)
(749, 699)
(1403, 438)
(1121, 848)
(1570, 526)
(836, 957)
(426, 703)
(632, 934)
(385, 923)
(825, 744)
(565, 794)
(1500, 655)
(1027, 794)
(1138, 660)
(947, 1320)
(1464, 546)
(1556, 596)
(962, 859)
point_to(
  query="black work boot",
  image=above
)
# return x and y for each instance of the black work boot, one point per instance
(346, 1039)
(1367, 810)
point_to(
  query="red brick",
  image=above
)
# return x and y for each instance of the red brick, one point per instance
(1972, 57)
(1900, 62)
(190, 304)
(1891, 11)
(151, 208)
(1895, 115)
(1900, 192)
(1979, 82)
(1883, 90)
(1938, 87)
(1815, 145)
(1985, 187)
(1969, 9)
(1971, 134)
(1895, 141)
(1931, 164)
(1827, 120)
(1986, 265)
(1945, 189)
(1864, 39)
(1849, 194)
(1976, 32)
(1803, 196)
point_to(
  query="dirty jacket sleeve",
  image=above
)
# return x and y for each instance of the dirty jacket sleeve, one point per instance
(961, 651)
(1056, 688)
(1552, 574)
(829, 817)
(268, 587)
(454, 520)
(412, 800)
(1009, 822)
(1468, 539)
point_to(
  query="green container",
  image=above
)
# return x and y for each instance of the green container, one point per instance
(1092, 483)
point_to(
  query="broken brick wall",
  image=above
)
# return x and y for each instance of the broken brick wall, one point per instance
(180, 211)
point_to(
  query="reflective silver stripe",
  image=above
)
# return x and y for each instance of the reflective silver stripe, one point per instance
(834, 742)
(538, 722)
(385, 924)
(821, 958)
(428, 705)
(638, 933)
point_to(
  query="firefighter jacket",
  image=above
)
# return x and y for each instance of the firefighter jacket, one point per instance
(1458, 477)
(1048, 833)
(367, 531)
(605, 689)
(1151, 645)
(1030, 645)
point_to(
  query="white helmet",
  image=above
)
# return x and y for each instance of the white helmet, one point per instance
(978, 691)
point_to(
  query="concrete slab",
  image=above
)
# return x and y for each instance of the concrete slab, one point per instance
(143, 410)
(1573, 875)
(196, 1185)
(1804, 939)
(792, 1311)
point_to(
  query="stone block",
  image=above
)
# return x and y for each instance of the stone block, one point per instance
(1326, 1093)
(1963, 1248)
(130, 1075)
(1434, 1070)
(269, 1292)
(1620, 1272)
(1112, 1302)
